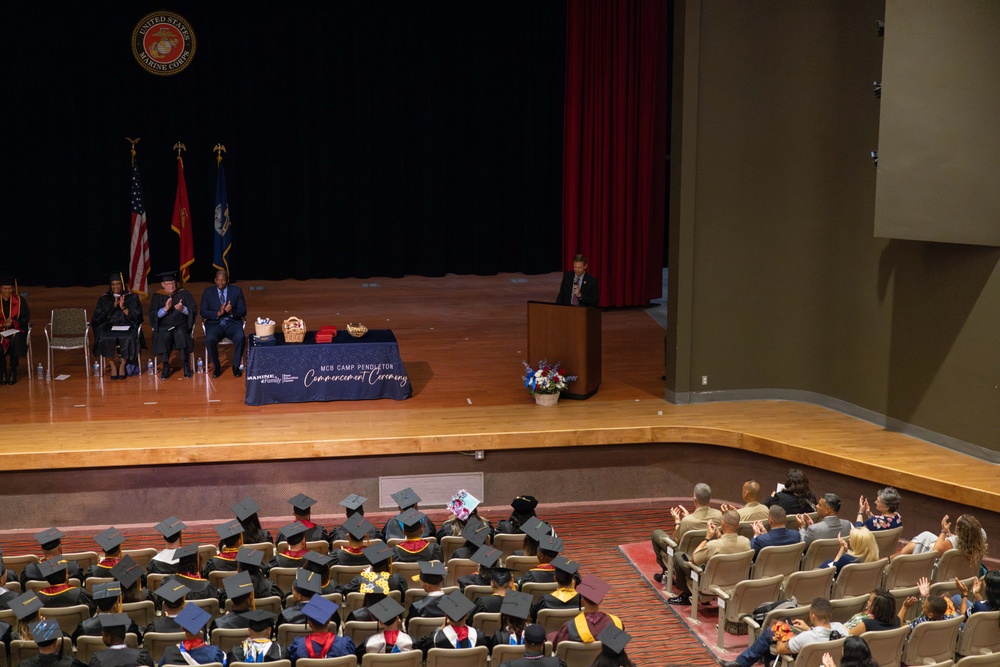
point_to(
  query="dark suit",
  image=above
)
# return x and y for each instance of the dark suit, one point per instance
(589, 293)
(230, 325)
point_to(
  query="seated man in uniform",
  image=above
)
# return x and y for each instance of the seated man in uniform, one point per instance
(165, 562)
(302, 511)
(354, 505)
(591, 622)
(14, 317)
(406, 499)
(414, 548)
(685, 521)
(223, 310)
(320, 643)
(432, 574)
(171, 314)
(193, 650)
(752, 510)
(258, 646)
(565, 596)
(117, 654)
(724, 540)
(51, 543)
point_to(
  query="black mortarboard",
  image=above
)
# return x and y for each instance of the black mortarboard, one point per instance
(229, 529)
(593, 589)
(456, 606)
(245, 509)
(517, 604)
(566, 565)
(164, 276)
(172, 590)
(251, 557)
(126, 571)
(476, 533)
(6, 280)
(487, 556)
(524, 503)
(170, 528)
(116, 275)
(377, 553)
(301, 503)
(386, 611)
(406, 498)
(411, 518)
(50, 567)
(110, 590)
(310, 581)
(536, 529)
(433, 567)
(552, 546)
(353, 502)
(49, 539)
(109, 539)
(193, 618)
(45, 632)
(115, 620)
(25, 605)
(293, 531)
(319, 609)
(238, 585)
(260, 619)
(501, 576)
(317, 559)
(358, 526)
(614, 639)
(186, 551)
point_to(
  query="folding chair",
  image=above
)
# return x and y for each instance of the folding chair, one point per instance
(68, 329)
(721, 573)
(476, 656)
(743, 599)
(858, 578)
(781, 559)
(933, 640)
(886, 646)
(579, 654)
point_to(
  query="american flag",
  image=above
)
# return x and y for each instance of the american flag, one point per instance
(139, 248)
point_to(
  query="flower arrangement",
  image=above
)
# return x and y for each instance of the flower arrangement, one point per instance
(782, 631)
(547, 379)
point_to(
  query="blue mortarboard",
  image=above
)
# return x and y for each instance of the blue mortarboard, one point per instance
(193, 618)
(319, 609)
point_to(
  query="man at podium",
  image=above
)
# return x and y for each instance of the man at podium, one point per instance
(578, 287)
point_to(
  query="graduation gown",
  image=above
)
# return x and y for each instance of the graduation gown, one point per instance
(426, 607)
(302, 646)
(366, 580)
(173, 330)
(267, 651)
(231, 620)
(344, 556)
(15, 314)
(91, 627)
(49, 660)
(543, 574)
(106, 316)
(416, 550)
(163, 624)
(340, 533)
(585, 627)
(224, 562)
(394, 529)
(32, 573)
(314, 533)
(203, 654)
(289, 559)
(122, 657)
(445, 638)
(201, 589)
(561, 598)
(65, 595)
(474, 579)
(485, 604)
(102, 569)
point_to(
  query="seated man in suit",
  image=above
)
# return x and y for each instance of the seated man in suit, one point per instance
(777, 534)
(578, 287)
(829, 525)
(223, 309)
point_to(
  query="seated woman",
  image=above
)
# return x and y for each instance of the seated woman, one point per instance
(969, 538)
(117, 316)
(880, 614)
(795, 496)
(886, 504)
(985, 595)
(862, 549)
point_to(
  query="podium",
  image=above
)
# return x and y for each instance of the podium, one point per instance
(570, 336)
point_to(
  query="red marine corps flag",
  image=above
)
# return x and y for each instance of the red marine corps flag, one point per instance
(181, 222)
(138, 267)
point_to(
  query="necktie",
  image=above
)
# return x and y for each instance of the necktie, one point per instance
(576, 283)
(222, 297)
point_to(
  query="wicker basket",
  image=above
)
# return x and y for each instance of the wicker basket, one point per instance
(295, 330)
(264, 329)
(356, 329)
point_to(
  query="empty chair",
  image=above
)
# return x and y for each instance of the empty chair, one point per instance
(980, 634)
(405, 659)
(812, 654)
(781, 559)
(508, 543)
(553, 619)
(906, 569)
(721, 573)
(502, 653)
(476, 656)
(858, 578)
(156, 643)
(743, 599)
(886, 646)
(579, 654)
(68, 329)
(421, 627)
(845, 608)
(953, 564)
(989, 660)
(932, 641)
(818, 552)
(810, 584)
(887, 540)
(406, 570)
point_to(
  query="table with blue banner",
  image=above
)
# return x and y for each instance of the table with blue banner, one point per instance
(347, 369)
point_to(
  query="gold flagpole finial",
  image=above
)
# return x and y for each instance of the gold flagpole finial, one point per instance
(180, 147)
(219, 150)
(132, 149)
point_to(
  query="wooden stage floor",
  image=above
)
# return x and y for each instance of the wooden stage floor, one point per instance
(462, 340)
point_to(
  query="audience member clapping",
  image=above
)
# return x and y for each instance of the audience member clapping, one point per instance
(862, 548)
(795, 496)
(886, 515)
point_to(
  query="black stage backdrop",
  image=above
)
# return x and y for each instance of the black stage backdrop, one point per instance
(364, 139)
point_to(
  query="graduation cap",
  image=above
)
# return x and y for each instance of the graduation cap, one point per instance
(593, 588)
(126, 571)
(406, 498)
(186, 552)
(456, 606)
(45, 632)
(193, 618)
(433, 568)
(354, 503)
(51, 567)
(49, 539)
(463, 504)
(166, 276)
(487, 556)
(6, 280)
(25, 605)
(411, 518)
(307, 580)
(476, 534)
(115, 620)
(517, 604)
(109, 539)
(245, 509)
(238, 585)
(319, 609)
(293, 531)
(614, 639)
(536, 529)
(524, 503)
(358, 526)
(301, 503)
(317, 560)
(501, 576)
(251, 557)
(566, 565)
(229, 529)
(170, 528)
(260, 619)
(108, 591)
(552, 546)
(387, 610)
(377, 553)
(172, 590)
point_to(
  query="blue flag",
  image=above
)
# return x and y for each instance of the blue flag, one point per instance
(223, 226)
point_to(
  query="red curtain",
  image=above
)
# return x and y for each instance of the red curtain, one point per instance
(614, 144)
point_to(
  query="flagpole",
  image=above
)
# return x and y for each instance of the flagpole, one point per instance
(181, 220)
(223, 225)
(138, 237)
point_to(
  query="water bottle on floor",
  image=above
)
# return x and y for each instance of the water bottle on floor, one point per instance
(41, 373)
(201, 365)
(149, 367)
(97, 367)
